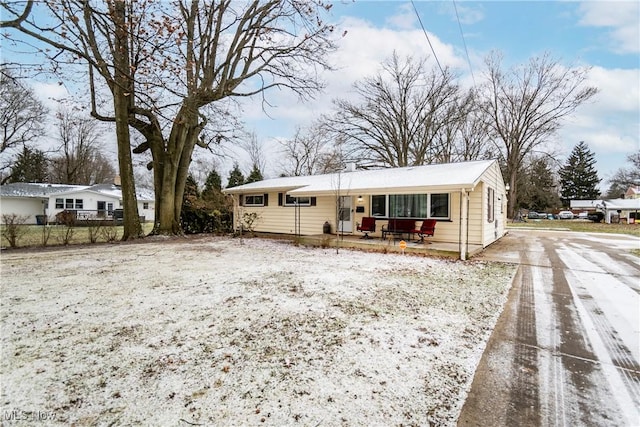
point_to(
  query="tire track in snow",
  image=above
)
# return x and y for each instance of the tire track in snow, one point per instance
(623, 370)
(524, 407)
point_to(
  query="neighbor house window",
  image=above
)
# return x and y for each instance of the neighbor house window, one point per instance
(145, 205)
(490, 205)
(68, 204)
(254, 200)
(300, 201)
(79, 204)
(59, 203)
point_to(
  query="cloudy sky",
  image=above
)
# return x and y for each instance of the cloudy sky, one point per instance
(602, 35)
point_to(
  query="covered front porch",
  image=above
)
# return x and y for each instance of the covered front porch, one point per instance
(438, 249)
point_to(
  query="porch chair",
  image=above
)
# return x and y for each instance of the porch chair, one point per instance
(428, 228)
(368, 226)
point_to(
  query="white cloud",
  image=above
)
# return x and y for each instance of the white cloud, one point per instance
(623, 17)
(404, 19)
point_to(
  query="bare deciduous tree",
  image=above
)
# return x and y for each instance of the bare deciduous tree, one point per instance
(525, 106)
(164, 63)
(21, 119)
(80, 160)
(302, 153)
(398, 115)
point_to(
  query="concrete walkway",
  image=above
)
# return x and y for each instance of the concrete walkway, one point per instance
(566, 349)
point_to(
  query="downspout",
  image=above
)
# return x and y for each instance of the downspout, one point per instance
(464, 221)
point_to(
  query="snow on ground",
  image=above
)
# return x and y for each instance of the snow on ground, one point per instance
(210, 331)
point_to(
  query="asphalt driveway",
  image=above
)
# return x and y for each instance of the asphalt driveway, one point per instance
(566, 349)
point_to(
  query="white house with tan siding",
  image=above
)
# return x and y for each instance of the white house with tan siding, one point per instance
(467, 199)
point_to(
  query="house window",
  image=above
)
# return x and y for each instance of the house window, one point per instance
(145, 205)
(79, 204)
(254, 200)
(59, 203)
(439, 205)
(300, 201)
(408, 205)
(379, 205)
(490, 205)
(418, 206)
(68, 204)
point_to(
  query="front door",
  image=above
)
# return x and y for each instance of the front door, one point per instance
(345, 224)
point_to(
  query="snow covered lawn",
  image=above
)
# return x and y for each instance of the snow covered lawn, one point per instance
(211, 331)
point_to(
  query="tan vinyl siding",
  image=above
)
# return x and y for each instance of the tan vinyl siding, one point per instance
(492, 231)
(281, 219)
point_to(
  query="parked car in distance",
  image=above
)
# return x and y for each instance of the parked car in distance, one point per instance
(551, 216)
(583, 215)
(565, 215)
(536, 215)
(595, 216)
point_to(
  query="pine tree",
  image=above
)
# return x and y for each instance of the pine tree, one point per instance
(255, 175)
(538, 190)
(235, 177)
(31, 166)
(578, 177)
(212, 185)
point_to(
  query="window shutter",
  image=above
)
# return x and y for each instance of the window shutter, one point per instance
(241, 200)
(266, 199)
(313, 201)
(279, 199)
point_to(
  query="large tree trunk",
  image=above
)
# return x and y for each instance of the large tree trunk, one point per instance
(122, 103)
(171, 176)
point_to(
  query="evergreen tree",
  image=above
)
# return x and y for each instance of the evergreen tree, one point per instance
(538, 190)
(213, 182)
(31, 166)
(235, 177)
(255, 175)
(191, 190)
(578, 177)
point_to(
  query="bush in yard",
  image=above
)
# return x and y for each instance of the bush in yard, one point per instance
(110, 234)
(14, 228)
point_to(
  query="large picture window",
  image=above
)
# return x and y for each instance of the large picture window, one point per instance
(408, 205)
(419, 206)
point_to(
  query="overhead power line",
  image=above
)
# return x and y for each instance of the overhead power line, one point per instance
(427, 36)
(464, 43)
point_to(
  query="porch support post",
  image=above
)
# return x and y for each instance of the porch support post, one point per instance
(464, 223)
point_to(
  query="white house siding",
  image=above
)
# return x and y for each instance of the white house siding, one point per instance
(89, 199)
(149, 213)
(22, 206)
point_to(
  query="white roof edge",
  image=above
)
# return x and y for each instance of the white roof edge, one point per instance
(466, 175)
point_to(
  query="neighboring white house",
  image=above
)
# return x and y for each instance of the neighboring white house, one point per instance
(624, 209)
(34, 200)
(467, 199)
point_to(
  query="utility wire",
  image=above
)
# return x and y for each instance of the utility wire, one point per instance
(427, 36)
(464, 43)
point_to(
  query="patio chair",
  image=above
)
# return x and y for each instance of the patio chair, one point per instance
(368, 226)
(428, 228)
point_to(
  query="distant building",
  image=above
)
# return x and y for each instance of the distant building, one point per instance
(633, 192)
(37, 201)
